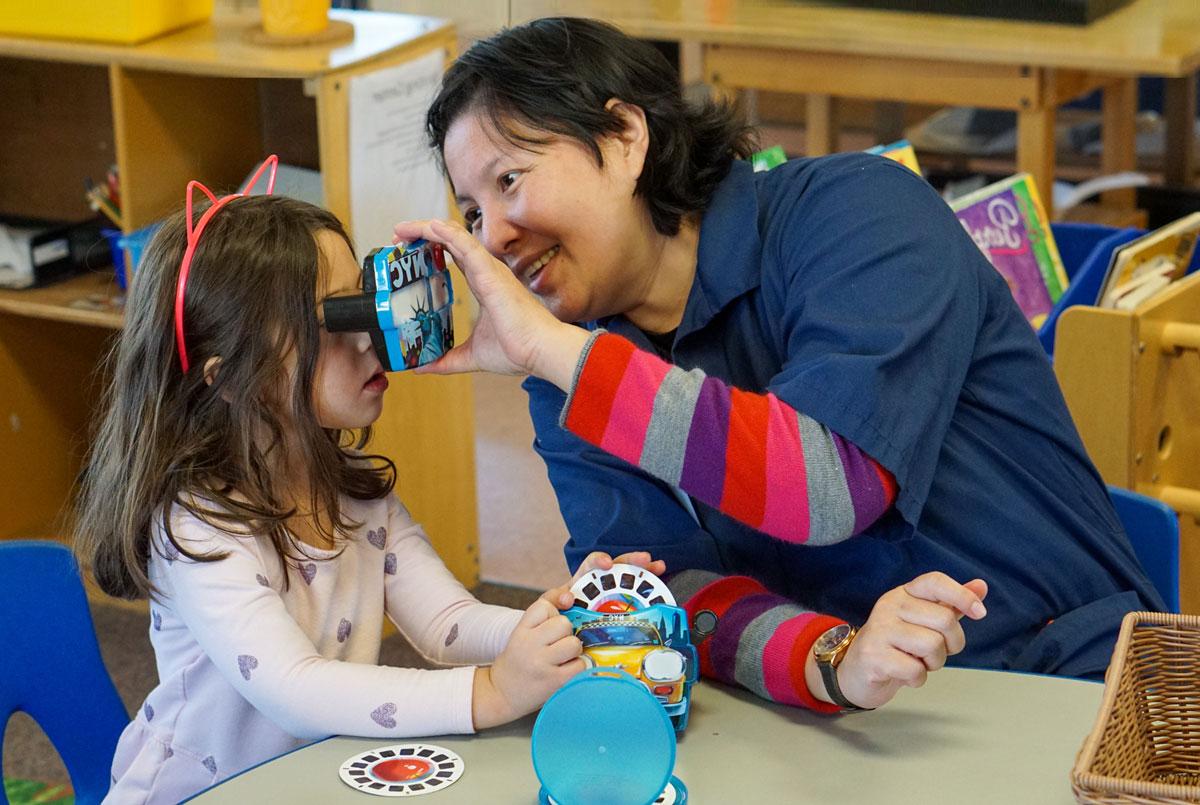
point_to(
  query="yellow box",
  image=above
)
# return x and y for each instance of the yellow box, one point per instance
(122, 21)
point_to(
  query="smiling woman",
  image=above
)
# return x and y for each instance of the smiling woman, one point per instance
(546, 230)
(802, 399)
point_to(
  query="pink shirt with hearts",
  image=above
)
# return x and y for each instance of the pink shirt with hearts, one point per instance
(249, 670)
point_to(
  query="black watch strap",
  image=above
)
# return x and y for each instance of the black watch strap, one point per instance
(829, 677)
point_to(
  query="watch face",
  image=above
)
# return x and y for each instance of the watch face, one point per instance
(828, 641)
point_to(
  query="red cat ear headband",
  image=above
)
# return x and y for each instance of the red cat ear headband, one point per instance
(193, 237)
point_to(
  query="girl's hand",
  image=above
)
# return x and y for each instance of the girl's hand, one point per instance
(541, 655)
(515, 333)
(562, 598)
(911, 631)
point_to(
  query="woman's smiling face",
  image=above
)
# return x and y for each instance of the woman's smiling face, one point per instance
(570, 230)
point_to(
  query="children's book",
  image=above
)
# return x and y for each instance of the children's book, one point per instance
(1142, 267)
(901, 151)
(1142, 287)
(1008, 223)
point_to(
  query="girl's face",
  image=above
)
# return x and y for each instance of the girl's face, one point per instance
(349, 383)
(571, 231)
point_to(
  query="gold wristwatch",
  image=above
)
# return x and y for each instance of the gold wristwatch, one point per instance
(829, 650)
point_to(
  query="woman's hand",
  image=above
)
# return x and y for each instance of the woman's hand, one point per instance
(515, 333)
(562, 598)
(911, 631)
(541, 655)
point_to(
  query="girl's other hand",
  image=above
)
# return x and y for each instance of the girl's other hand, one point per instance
(515, 333)
(541, 655)
(561, 596)
(911, 631)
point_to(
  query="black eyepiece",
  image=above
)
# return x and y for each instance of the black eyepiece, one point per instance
(350, 313)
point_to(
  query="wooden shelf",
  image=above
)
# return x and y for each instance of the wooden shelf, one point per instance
(222, 47)
(202, 102)
(91, 299)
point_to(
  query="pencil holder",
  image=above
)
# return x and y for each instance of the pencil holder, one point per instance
(1145, 745)
(113, 238)
(134, 243)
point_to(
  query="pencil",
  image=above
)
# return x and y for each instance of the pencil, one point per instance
(100, 204)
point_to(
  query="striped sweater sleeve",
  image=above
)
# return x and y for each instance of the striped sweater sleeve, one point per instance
(757, 639)
(749, 455)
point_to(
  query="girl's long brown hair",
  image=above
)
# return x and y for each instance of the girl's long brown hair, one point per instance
(171, 440)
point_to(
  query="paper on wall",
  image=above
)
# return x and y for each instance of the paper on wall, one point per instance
(393, 173)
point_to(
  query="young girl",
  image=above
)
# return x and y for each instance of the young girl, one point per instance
(225, 484)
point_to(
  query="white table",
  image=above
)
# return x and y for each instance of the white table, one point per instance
(967, 736)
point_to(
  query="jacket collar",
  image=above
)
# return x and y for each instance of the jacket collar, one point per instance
(728, 259)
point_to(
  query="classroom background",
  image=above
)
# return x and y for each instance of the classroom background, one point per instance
(97, 139)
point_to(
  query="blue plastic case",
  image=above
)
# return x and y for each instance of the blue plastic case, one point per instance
(603, 739)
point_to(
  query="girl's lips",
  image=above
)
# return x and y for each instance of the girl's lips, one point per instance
(378, 382)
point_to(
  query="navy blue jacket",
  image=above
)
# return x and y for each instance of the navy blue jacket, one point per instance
(846, 286)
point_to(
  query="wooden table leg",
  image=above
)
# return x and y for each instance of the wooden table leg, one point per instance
(691, 62)
(1179, 108)
(1119, 132)
(1035, 149)
(820, 135)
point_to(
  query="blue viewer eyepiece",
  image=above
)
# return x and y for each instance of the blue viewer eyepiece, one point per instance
(406, 305)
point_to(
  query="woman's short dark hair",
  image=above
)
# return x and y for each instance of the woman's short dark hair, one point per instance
(555, 75)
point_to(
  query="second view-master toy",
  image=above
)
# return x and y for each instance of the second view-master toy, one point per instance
(626, 619)
(405, 306)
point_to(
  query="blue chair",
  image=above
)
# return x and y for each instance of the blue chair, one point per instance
(1153, 529)
(52, 668)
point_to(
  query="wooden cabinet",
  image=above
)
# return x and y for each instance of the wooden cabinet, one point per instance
(206, 103)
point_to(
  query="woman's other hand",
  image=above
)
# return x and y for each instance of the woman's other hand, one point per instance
(911, 631)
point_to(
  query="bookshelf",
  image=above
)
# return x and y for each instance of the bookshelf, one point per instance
(202, 102)
(1130, 381)
(92, 299)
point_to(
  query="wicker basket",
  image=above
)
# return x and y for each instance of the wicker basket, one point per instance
(1145, 746)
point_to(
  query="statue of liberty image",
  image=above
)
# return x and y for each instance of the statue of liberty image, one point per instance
(432, 317)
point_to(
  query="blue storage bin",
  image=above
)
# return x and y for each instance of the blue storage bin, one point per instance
(1085, 250)
(135, 243)
(113, 236)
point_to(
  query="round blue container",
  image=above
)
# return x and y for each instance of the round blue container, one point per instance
(603, 739)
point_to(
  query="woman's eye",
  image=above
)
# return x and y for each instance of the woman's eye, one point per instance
(507, 179)
(471, 217)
